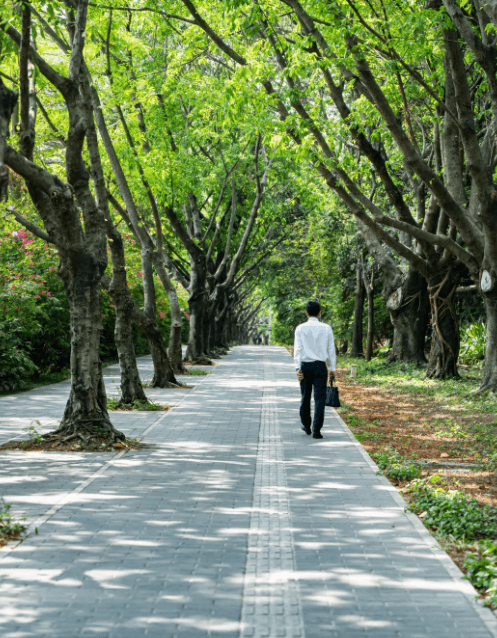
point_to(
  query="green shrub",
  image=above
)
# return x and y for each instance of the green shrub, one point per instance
(15, 362)
(8, 529)
(481, 569)
(450, 512)
(395, 466)
(472, 349)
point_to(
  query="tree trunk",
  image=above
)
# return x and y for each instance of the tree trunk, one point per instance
(357, 349)
(197, 306)
(131, 386)
(370, 337)
(369, 287)
(445, 326)
(85, 415)
(489, 380)
(175, 351)
(408, 307)
(163, 372)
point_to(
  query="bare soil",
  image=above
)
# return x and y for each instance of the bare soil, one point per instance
(422, 428)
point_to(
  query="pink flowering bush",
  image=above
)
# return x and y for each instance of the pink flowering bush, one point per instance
(34, 312)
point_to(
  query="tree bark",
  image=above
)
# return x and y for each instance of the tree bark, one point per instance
(410, 320)
(489, 379)
(445, 326)
(369, 287)
(131, 386)
(197, 302)
(357, 349)
(175, 350)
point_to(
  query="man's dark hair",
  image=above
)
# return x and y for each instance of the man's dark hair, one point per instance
(313, 308)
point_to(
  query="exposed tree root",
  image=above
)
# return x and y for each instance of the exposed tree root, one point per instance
(91, 434)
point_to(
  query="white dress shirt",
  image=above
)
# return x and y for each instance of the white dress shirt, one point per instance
(314, 342)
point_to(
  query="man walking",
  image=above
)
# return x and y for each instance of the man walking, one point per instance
(315, 361)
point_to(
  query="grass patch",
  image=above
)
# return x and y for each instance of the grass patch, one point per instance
(113, 403)
(407, 377)
(196, 373)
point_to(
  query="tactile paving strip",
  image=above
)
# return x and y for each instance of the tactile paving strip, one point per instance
(271, 600)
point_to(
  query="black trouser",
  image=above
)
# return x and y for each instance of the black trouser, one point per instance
(315, 375)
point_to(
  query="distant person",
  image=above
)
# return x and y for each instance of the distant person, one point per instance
(315, 361)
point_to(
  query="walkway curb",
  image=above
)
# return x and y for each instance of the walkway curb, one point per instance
(487, 616)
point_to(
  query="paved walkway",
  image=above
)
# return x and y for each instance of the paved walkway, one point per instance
(234, 523)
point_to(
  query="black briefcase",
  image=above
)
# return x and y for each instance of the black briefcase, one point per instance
(332, 397)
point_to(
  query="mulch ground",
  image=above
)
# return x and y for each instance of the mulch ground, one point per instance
(47, 445)
(419, 427)
(6, 538)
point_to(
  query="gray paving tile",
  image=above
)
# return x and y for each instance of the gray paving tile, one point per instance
(157, 544)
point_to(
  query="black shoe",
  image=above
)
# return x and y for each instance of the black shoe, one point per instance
(317, 435)
(306, 430)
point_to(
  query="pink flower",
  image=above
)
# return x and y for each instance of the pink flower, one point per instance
(37, 296)
(140, 274)
(108, 247)
(49, 294)
(51, 268)
(162, 314)
(12, 287)
(133, 242)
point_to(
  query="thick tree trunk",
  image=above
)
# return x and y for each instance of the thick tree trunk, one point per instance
(85, 416)
(445, 326)
(131, 386)
(370, 337)
(174, 350)
(357, 349)
(163, 372)
(195, 350)
(197, 302)
(223, 322)
(408, 307)
(489, 380)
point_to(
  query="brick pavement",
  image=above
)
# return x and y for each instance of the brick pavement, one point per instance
(233, 523)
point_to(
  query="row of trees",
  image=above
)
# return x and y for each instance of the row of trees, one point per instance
(102, 97)
(216, 134)
(394, 106)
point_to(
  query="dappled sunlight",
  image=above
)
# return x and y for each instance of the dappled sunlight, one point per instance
(159, 540)
(111, 578)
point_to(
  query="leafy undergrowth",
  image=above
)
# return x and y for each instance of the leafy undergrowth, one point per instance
(395, 466)
(410, 425)
(466, 529)
(113, 403)
(40, 382)
(9, 529)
